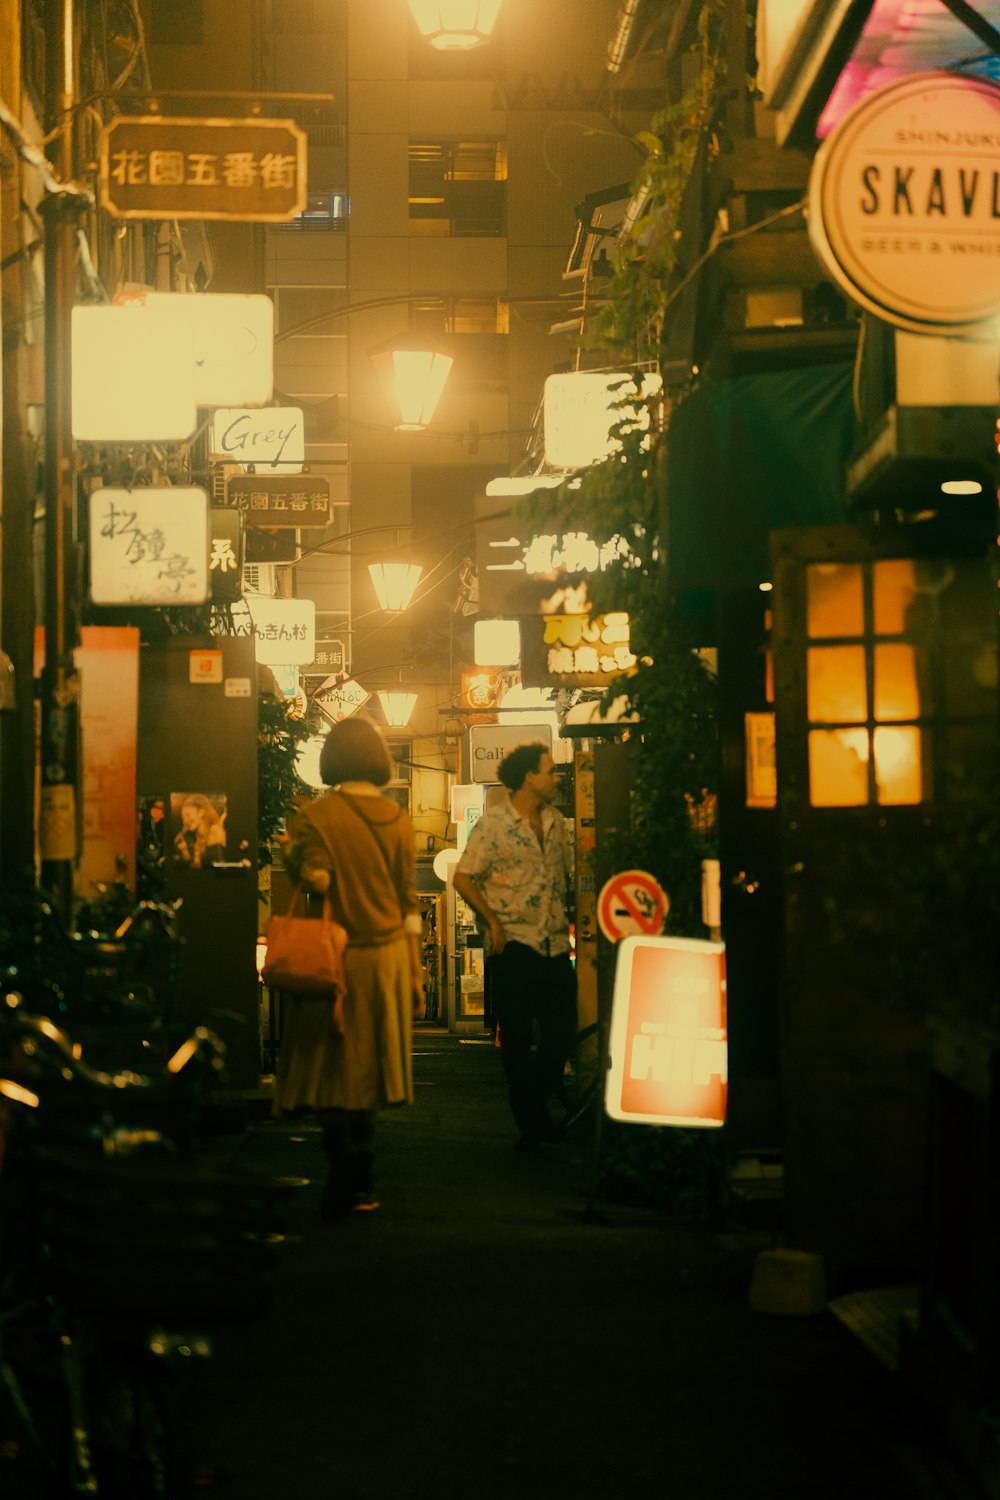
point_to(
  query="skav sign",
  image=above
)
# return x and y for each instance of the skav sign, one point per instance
(904, 203)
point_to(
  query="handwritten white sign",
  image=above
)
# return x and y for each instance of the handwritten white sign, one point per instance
(270, 437)
(149, 546)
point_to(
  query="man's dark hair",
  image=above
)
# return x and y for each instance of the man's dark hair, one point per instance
(519, 763)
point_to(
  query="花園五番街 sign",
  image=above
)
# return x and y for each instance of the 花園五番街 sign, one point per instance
(280, 500)
(668, 1058)
(173, 167)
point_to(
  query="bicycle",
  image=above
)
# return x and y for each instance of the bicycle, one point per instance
(119, 1258)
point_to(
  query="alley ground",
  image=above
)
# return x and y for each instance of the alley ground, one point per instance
(482, 1336)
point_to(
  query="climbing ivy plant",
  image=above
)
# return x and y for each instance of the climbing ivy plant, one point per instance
(617, 504)
(279, 738)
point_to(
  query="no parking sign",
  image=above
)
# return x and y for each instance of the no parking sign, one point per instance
(631, 904)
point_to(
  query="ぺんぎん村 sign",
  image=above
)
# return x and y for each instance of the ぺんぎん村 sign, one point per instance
(668, 1051)
(173, 167)
(904, 203)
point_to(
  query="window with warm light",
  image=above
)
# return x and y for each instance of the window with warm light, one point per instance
(458, 188)
(900, 683)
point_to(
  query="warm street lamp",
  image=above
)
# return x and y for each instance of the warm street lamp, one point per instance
(412, 374)
(397, 706)
(455, 25)
(395, 583)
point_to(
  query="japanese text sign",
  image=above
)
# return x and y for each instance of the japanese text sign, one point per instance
(575, 650)
(330, 657)
(284, 630)
(668, 1061)
(173, 167)
(281, 500)
(225, 554)
(149, 546)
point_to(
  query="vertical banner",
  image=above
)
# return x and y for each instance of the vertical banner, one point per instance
(669, 1049)
(108, 663)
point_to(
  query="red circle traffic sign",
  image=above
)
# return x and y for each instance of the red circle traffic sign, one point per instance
(631, 903)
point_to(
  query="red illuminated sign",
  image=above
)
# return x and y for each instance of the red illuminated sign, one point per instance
(668, 1050)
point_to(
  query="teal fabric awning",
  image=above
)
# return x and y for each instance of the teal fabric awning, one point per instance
(747, 456)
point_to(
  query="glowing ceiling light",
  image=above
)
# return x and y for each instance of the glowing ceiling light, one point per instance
(455, 25)
(961, 487)
(397, 706)
(395, 583)
(412, 375)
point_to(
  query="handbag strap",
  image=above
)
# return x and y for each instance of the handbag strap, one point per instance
(369, 824)
(299, 892)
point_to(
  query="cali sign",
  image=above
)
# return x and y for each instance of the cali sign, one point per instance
(904, 203)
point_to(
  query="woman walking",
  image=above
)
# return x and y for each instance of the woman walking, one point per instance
(356, 847)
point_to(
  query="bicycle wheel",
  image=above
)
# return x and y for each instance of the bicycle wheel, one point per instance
(140, 1433)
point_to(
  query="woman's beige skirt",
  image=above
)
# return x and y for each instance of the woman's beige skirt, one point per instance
(370, 1064)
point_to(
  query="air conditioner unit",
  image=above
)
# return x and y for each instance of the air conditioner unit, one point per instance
(259, 578)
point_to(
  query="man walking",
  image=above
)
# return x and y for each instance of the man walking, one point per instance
(514, 874)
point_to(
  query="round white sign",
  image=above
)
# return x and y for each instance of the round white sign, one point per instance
(904, 203)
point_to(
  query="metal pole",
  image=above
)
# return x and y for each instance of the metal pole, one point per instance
(60, 811)
(17, 622)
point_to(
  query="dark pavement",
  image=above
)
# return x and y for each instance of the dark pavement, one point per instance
(480, 1336)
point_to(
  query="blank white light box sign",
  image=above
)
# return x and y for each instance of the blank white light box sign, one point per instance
(231, 344)
(149, 546)
(131, 375)
(581, 409)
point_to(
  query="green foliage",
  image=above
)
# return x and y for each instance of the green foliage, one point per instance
(279, 785)
(632, 322)
(672, 825)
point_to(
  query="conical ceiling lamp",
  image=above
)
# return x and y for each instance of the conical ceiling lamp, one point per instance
(412, 374)
(395, 583)
(455, 25)
(397, 706)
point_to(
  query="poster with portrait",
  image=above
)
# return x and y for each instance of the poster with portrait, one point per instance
(198, 829)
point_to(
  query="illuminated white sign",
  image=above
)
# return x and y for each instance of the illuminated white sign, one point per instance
(581, 409)
(269, 437)
(489, 743)
(284, 630)
(904, 202)
(149, 546)
(231, 344)
(131, 379)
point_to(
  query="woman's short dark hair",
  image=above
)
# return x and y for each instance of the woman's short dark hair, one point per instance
(355, 750)
(519, 763)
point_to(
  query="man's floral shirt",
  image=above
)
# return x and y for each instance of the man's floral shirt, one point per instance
(525, 884)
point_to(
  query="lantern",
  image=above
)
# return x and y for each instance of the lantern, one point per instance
(455, 25)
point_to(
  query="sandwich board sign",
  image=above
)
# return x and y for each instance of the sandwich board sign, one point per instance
(668, 1062)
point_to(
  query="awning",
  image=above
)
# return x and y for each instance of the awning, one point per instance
(745, 457)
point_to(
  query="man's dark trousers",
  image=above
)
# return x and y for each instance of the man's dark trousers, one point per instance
(530, 989)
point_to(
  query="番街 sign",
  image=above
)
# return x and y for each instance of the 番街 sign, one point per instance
(904, 203)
